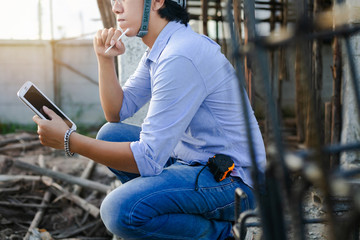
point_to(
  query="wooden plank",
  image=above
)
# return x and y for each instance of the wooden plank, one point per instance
(59, 190)
(336, 100)
(46, 199)
(63, 176)
(21, 146)
(85, 175)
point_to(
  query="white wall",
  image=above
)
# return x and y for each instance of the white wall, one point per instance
(22, 61)
(79, 97)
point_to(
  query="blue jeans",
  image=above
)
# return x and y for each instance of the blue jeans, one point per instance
(167, 206)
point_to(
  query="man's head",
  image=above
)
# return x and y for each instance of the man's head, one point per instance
(127, 11)
(174, 10)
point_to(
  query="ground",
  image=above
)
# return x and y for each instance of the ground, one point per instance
(64, 218)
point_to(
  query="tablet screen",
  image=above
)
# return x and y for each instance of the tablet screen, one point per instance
(34, 97)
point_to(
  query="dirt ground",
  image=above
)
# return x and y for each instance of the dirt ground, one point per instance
(314, 231)
(63, 218)
(20, 199)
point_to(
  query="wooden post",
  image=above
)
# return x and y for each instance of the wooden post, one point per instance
(336, 100)
(56, 82)
(107, 16)
(327, 124)
(273, 57)
(314, 130)
(248, 34)
(327, 131)
(237, 19)
(300, 99)
(204, 13)
(217, 19)
(283, 65)
(108, 19)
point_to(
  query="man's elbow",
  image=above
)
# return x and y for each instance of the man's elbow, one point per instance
(112, 118)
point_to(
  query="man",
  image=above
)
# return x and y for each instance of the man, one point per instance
(168, 192)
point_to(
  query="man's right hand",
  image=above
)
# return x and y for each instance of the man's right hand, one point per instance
(104, 39)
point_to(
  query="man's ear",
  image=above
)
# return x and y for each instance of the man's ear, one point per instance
(157, 4)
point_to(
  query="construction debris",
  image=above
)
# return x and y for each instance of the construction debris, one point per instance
(45, 195)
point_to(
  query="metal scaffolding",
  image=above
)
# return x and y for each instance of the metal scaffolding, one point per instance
(290, 173)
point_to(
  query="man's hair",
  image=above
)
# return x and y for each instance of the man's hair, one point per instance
(174, 12)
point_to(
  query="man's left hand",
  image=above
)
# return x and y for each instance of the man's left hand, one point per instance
(51, 132)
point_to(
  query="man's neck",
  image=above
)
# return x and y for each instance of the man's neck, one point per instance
(155, 27)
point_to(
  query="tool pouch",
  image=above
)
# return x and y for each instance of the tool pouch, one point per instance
(220, 166)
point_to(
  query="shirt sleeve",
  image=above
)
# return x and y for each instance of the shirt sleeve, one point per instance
(137, 91)
(178, 91)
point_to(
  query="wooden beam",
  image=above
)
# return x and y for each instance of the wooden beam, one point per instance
(63, 176)
(107, 16)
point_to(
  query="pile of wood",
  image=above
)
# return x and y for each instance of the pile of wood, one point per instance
(44, 195)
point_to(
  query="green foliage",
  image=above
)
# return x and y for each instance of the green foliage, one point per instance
(6, 128)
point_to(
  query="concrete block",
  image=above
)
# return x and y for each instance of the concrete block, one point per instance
(128, 63)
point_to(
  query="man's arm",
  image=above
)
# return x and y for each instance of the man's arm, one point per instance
(111, 94)
(117, 155)
(110, 91)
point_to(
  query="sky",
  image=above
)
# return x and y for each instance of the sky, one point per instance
(31, 19)
(20, 19)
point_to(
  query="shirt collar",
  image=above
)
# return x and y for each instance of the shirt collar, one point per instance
(162, 40)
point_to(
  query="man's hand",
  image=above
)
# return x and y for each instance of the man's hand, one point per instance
(51, 132)
(104, 39)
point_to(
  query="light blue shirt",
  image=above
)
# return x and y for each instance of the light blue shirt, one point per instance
(195, 106)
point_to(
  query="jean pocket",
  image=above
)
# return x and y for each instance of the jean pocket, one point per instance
(223, 213)
(220, 199)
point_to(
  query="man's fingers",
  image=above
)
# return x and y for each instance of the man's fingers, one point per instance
(115, 37)
(110, 36)
(104, 34)
(50, 113)
(119, 45)
(105, 38)
(98, 38)
(36, 119)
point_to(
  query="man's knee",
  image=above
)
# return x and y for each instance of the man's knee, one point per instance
(118, 132)
(116, 214)
(105, 132)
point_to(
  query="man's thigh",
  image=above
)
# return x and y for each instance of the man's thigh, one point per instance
(173, 192)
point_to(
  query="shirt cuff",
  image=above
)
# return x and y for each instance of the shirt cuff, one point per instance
(145, 160)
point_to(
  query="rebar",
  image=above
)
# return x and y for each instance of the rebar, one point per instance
(282, 197)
